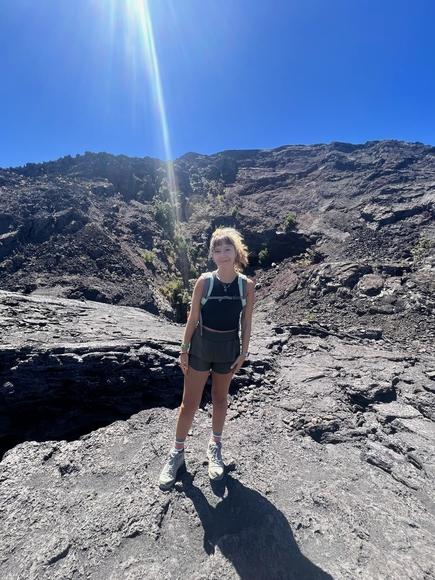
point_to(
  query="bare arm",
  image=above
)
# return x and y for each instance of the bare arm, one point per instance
(246, 325)
(195, 308)
(247, 316)
(192, 321)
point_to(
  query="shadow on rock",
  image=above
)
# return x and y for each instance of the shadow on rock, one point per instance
(251, 533)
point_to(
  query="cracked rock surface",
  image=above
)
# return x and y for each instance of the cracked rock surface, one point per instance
(329, 443)
(329, 450)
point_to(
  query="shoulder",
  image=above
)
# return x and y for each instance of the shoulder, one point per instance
(199, 285)
(200, 281)
(206, 279)
(198, 291)
(249, 287)
(249, 282)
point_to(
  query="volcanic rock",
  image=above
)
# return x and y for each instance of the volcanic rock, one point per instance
(329, 448)
(329, 443)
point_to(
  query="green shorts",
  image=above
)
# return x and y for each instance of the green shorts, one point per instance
(214, 350)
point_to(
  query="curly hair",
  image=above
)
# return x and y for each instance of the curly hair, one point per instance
(232, 237)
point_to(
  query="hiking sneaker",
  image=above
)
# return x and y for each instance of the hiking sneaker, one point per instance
(216, 468)
(169, 472)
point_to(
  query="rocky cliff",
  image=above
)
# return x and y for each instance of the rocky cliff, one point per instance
(117, 229)
(330, 438)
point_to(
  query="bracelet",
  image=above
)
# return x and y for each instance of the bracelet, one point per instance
(245, 354)
(183, 352)
(186, 346)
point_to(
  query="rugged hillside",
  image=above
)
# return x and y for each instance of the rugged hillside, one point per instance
(329, 443)
(109, 229)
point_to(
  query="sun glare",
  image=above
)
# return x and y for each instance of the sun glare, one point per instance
(138, 29)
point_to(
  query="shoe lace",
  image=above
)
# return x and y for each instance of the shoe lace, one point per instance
(215, 452)
(171, 463)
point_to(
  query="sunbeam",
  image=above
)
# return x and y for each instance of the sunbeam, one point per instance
(139, 15)
(132, 18)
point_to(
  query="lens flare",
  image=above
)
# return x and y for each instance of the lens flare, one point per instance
(139, 29)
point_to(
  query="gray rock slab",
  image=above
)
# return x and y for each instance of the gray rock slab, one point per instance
(329, 447)
(288, 508)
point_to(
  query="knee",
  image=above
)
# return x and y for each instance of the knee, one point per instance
(220, 401)
(188, 406)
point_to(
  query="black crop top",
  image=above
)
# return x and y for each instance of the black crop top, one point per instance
(222, 314)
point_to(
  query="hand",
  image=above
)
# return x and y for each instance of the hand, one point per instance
(184, 362)
(235, 367)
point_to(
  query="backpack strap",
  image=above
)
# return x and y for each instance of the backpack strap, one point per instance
(208, 278)
(243, 284)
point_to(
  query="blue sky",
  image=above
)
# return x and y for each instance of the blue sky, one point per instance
(165, 77)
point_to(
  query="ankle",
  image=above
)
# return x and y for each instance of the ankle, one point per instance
(179, 445)
(216, 437)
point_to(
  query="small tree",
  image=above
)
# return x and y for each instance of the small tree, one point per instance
(263, 257)
(148, 256)
(178, 297)
(290, 222)
(164, 215)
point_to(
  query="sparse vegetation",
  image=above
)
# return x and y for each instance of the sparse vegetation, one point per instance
(234, 212)
(148, 256)
(216, 188)
(177, 296)
(181, 251)
(165, 208)
(160, 174)
(310, 316)
(264, 258)
(290, 222)
(306, 259)
(164, 216)
(419, 251)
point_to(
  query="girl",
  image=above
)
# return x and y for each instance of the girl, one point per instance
(213, 345)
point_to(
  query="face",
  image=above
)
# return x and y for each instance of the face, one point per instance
(224, 255)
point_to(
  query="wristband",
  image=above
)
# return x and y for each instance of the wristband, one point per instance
(186, 346)
(245, 354)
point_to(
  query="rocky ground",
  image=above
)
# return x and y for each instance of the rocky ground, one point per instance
(329, 446)
(330, 437)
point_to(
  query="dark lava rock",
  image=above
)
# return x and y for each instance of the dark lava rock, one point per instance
(96, 226)
(329, 441)
(329, 447)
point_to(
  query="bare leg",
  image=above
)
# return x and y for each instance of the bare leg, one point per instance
(194, 382)
(219, 395)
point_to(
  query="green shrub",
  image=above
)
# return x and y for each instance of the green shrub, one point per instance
(290, 222)
(164, 191)
(164, 215)
(263, 257)
(197, 262)
(178, 297)
(216, 188)
(148, 256)
(306, 260)
(166, 207)
(160, 174)
(234, 211)
(180, 244)
(421, 248)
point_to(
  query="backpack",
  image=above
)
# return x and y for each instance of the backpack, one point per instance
(208, 278)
